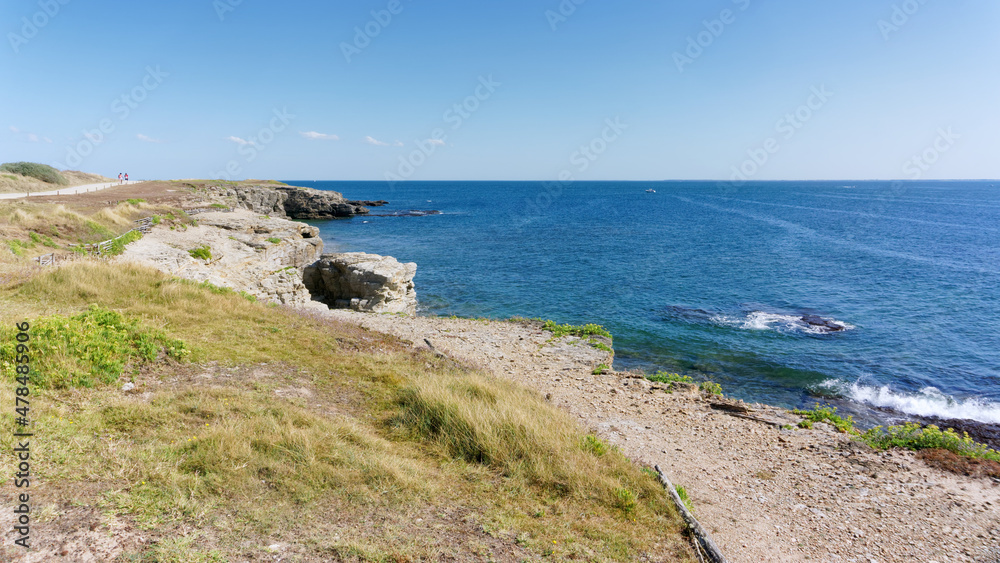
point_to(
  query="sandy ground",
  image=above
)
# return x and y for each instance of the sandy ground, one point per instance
(764, 493)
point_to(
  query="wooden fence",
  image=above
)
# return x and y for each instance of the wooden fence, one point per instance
(101, 249)
(198, 210)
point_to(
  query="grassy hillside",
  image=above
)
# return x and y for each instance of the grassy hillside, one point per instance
(29, 229)
(16, 177)
(254, 430)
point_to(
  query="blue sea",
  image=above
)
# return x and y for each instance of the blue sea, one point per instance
(713, 280)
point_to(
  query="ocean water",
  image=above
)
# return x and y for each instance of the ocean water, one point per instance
(713, 279)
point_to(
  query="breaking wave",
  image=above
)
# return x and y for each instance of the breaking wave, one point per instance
(761, 320)
(928, 402)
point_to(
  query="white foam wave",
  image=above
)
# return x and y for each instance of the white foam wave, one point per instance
(929, 401)
(760, 320)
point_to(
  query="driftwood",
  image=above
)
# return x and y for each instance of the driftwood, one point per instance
(730, 406)
(703, 543)
(755, 419)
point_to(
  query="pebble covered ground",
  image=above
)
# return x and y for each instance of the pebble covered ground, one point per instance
(763, 492)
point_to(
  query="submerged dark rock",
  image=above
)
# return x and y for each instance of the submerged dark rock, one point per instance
(822, 324)
(408, 213)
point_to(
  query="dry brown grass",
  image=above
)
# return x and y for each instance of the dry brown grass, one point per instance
(389, 436)
(15, 183)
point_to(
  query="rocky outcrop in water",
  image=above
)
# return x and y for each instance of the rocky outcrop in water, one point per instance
(824, 325)
(295, 202)
(363, 282)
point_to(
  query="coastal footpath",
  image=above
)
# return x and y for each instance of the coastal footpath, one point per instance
(765, 489)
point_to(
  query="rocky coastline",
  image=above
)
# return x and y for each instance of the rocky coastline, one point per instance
(292, 202)
(276, 260)
(765, 489)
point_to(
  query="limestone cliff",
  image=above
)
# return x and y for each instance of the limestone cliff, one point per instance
(363, 282)
(261, 256)
(295, 202)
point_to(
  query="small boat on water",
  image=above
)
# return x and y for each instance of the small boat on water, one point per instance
(650, 191)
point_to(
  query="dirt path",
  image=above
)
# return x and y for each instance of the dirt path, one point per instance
(764, 493)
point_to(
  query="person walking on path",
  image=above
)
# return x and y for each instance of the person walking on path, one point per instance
(119, 177)
(126, 177)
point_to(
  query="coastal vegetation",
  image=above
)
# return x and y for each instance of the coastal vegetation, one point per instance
(42, 172)
(910, 436)
(666, 377)
(381, 453)
(35, 177)
(203, 252)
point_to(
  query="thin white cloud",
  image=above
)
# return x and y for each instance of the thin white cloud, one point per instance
(376, 142)
(15, 129)
(316, 136)
(438, 142)
(147, 139)
(32, 137)
(398, 144)
(47, 140)
(238, 140)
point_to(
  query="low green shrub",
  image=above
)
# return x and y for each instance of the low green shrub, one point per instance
(828, 415)
(135, 201)
(99, 231)
(664, 377)
(119, 244)
(41, 172)
(913, 436)
(625, 500)
(594, 445)
(682, 492)
(274, 240)
(83, 350)
(711, 387)
(16, 247)
(559, 330)
(203, 252)
(601, 368)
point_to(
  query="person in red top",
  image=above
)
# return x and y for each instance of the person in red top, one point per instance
(119, 177)
(126, 177)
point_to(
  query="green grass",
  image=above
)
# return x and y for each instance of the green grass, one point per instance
(43, 240)
(135, 201)
(582, 331)
(41, 172)
(211, 441)
(601, 368)
(89, 348)
(274, 240)
(828, 415)
(99, 231)
(912, 436)
(682, 492)
(119, 244)
(203, 252)
(16, 247)
(667, 377)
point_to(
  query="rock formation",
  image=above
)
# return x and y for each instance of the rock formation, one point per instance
(363, 282)
(295, 203)
(261, 256)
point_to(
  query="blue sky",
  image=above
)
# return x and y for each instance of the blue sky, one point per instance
(291, 90)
